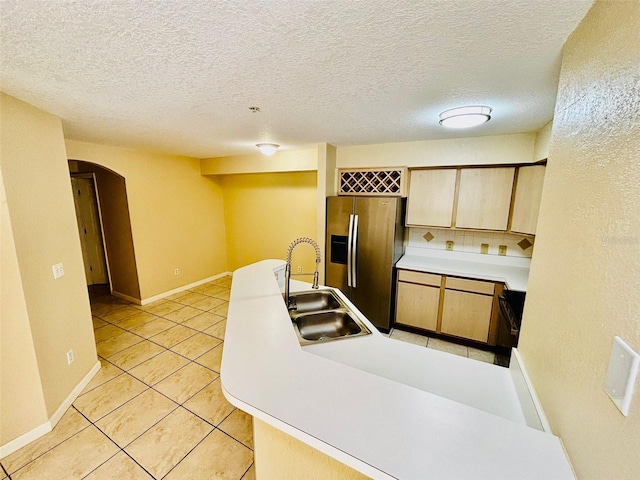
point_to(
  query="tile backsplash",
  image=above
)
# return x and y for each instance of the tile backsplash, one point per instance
(471, 241)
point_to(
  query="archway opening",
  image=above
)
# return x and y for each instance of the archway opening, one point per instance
(104, 224)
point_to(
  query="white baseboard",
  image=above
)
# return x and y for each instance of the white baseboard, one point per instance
(531, 406)
(126, 297)
(181, 289)
(17, 443)
(57, 415)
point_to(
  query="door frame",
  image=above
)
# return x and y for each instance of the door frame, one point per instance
(91, 176)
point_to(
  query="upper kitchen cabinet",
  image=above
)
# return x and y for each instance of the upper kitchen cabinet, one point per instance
(484, 198)
(432, 197)
(524, 217)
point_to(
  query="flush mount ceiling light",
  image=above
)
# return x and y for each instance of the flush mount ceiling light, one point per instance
(267, 148)
(465, 117)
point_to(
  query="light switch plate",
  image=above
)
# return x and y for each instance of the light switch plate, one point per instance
(58, 270)
(621, 374)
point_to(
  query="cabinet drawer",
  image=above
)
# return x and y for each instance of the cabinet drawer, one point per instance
(474, 286)
(419, 277)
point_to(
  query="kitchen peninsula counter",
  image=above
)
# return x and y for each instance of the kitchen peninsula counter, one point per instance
(512, 271)
(385, 408)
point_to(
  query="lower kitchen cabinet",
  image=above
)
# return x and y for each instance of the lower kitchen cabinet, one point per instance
(417, 305)
(448, 305)
(466, 315)
(418, 299)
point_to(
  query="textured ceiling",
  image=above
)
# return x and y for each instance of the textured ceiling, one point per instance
(179, 76)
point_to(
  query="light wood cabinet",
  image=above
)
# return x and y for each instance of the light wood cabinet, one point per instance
(476, 198)
(453, 306)
(466, 315)
(417, 305)
(484, 198)
(432, 197)
(524, 216)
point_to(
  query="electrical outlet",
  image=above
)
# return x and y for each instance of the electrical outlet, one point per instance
(449, 244)
(502, 249)
(299, 269)
(58, 270)
(70, 357)
(484, 248)
(176, 271)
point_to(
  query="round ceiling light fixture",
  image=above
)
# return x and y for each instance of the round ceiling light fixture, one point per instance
(465, 117)
(267, 148)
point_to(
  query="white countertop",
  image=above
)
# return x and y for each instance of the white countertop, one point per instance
(513, 271)
(386, 408)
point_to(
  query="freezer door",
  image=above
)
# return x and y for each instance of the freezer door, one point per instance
(376, 219)
(338, 248)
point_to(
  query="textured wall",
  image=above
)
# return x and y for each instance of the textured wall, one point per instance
(22, 405)
(282, 161)
(45, 232)
(541, 146)
(496, 149)
(583, 287)
(279, 456)
(265, 212)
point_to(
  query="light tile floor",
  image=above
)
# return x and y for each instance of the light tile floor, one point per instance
(443, 345)
(155, 409)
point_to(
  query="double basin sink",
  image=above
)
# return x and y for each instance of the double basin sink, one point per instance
(320, 316)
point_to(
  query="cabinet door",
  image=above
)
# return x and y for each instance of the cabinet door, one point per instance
(527, 199)
(484, 198)
(466, 315)
(417, 305)
(431, 197)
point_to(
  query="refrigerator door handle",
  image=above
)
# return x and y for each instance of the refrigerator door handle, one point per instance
(354, 253)
(349, 250)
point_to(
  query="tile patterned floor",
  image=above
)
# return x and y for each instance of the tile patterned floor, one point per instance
(155, 409)
(443, 345)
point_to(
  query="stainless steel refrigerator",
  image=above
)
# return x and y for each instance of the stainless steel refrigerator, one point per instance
(364, 242)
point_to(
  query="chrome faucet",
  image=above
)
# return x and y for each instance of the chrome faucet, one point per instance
(287, 271)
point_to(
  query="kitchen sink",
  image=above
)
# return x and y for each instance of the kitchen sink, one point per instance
(320, 316)
(313, 301)
(324, 325)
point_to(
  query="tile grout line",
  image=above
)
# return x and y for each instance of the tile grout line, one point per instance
(56, 445)
(466, 347)
(162, 346)
(151, 387)
(121, 449)
(91, 423)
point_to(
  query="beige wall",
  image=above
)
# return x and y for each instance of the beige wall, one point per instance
(584, 283)
(22, 406)
(279, 456)
(265, 212)
(281, 161)
(43, 223)
(326, 186)
(543, 139)
(457, 151)
(177, 215)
